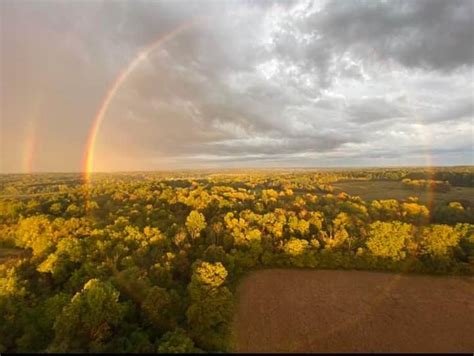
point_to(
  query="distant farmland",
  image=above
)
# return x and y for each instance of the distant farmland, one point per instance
(352, 311)
(376, 190)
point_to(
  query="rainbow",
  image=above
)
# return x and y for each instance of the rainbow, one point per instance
(88, 160)
(29, 153)
(31, 135)
(424, 134)
(88, 156)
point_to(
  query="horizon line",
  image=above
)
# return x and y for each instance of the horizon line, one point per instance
(170, 170)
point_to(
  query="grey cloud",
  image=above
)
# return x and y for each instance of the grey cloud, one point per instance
(376, 109)
(457, 109)
(250, 82)
(431, 34)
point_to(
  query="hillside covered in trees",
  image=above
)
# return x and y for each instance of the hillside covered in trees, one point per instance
(149, 262)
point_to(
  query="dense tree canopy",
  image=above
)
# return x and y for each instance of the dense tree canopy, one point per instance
(148, 262)
(88, 320)
(389, 239)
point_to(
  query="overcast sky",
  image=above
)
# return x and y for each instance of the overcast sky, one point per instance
(249, 84)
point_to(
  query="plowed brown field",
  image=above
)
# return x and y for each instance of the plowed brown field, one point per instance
(353, 311)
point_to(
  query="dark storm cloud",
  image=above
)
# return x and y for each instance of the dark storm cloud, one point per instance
(301, 83)
(433, 34)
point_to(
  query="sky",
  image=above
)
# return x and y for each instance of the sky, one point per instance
(241, 84)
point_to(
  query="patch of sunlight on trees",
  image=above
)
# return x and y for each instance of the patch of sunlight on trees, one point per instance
(148, 262)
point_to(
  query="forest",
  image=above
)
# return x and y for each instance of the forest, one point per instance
(149, 261)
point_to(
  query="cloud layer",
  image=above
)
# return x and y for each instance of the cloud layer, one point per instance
(250, 84)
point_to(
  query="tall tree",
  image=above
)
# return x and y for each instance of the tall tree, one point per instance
(195, 223)
(88, 320)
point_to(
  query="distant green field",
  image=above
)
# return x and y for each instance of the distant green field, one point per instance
(375, 190)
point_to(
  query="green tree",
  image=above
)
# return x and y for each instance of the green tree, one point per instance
(385, 210)
(88, 319)
(338, 235)
(211, 309)
(298, 226)
(37, 233)
(439, 240)
(176, 341)
(159, 307)
(73, 210)
(296, 246)
(13, 298)
(389, 239)
(209, 274)
(56, 208)
(37, 333)
(415, 213)
(209, 317)
(195, 223)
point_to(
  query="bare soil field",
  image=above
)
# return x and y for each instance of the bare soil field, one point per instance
(353, 311)
(371, 190)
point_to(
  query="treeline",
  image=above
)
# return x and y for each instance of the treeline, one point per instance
(426, 184)
(458, 176)
(455, 176)
(150, 264)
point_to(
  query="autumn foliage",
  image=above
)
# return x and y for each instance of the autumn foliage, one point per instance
(149, 262)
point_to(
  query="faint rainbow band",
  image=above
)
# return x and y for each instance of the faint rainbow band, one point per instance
(425, 136)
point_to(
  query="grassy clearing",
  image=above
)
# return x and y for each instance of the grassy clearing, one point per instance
(376, 190)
